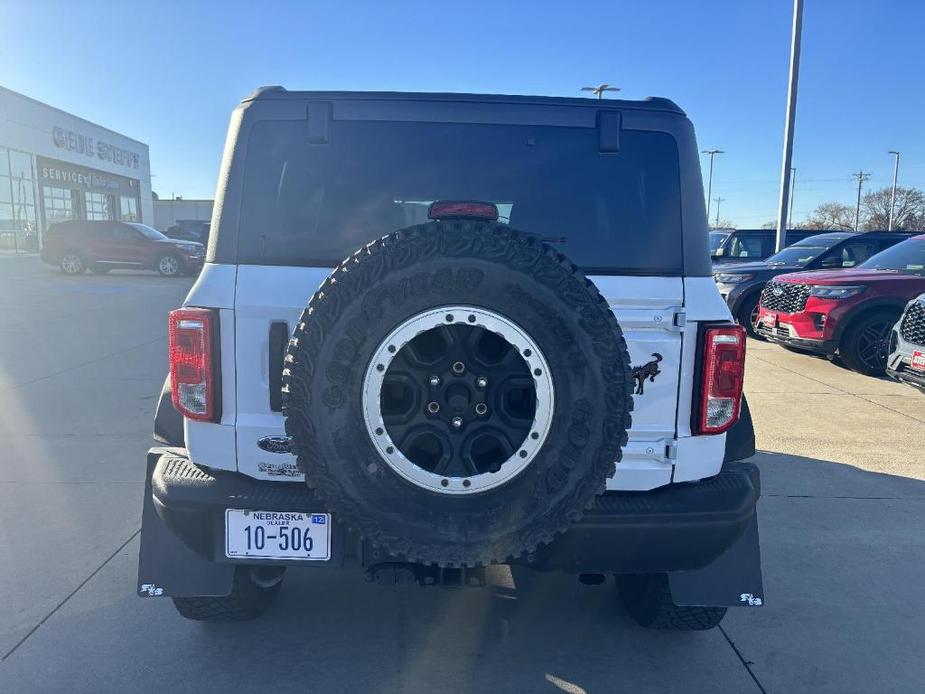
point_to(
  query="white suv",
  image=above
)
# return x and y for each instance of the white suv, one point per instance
(512, 277)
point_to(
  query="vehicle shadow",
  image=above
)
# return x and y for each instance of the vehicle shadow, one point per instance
(529, 631)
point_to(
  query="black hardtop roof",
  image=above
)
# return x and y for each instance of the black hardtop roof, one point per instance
(651, 103)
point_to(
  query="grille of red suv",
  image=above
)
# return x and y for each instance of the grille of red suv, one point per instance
(785, 296)
(913, 326)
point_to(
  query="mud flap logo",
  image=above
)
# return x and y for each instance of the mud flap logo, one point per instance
(750, 599)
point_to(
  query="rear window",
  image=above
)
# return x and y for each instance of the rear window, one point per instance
(314, 204)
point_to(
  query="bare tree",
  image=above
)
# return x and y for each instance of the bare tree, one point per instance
(722, 224)
(908, 213)
(830, 215)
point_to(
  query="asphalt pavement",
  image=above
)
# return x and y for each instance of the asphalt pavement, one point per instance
(81, 363)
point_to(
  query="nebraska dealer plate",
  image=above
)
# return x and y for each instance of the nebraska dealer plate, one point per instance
(277, 535)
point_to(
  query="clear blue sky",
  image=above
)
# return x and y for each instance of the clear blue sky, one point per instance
(168, 73)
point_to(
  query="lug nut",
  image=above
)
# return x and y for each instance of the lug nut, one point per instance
(459, 368)
(457, 422)
(433, 407)
(481, 408)
(434, 381)
(481, 382)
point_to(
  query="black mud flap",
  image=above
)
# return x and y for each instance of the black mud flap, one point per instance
(732, 580)
(166, 566)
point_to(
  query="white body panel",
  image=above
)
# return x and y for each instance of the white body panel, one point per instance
(658, 316)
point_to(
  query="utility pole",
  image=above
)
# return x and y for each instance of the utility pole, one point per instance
(793, 183)
(712, 153)
(893, 194)
(789, 124)
(861, 176)
(718, 201)
(600, 89)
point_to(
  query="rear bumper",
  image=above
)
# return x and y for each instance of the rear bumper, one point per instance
(674, 528)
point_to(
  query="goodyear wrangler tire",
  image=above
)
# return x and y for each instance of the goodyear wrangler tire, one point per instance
(458, 392)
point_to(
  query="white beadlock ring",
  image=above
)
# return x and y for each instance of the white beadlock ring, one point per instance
(378, 367)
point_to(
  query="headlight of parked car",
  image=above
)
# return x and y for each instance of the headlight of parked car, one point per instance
(828, 292)
(724, 278)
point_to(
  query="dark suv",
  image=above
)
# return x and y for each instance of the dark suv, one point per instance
(78, 246)
(741, 284)
(728, 246)
(851, 312)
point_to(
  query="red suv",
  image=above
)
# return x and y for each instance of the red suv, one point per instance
(849, 312)
(78, 246)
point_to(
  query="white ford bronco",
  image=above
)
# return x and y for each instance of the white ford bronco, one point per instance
(436, 332)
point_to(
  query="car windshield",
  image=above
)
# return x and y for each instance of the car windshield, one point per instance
(907, 257)
(150, 232)
(314, 204)
(798, 255)
(717, 238)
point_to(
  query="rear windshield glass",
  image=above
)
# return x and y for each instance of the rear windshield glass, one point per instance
(314, 204)
(906, 257)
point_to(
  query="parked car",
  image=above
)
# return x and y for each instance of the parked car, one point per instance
(906, 362)
(848, 312)
(741, 284)
(190, 230)
(101, 246)
(458, 391)
(730, 246)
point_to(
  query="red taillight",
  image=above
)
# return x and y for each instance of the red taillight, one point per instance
(449, 209)
(722, 374)
(191, 363)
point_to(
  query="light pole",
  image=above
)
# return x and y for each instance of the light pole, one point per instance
(789, 124)
(862, 176)
(712, 153)
(893, 194)
(600, 89)
(793, 183)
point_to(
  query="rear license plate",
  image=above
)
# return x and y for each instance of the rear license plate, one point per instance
(769, 320)
(277, 535)
(918, 360)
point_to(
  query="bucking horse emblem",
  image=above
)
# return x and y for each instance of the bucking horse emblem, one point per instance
(646, 371)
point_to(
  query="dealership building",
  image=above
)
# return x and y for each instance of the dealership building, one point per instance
(55, 166)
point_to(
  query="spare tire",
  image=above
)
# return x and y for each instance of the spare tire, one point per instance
(458, 392)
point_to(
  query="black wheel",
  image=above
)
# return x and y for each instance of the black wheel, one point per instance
(72, 263)
(865, 347)
(252, 592)
(458, 392)
(647, 599)
(98, 269)
(748, 315)
(169, 265)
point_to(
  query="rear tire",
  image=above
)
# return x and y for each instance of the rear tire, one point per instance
(252, 593)
(647, 598)
(73, 264)
(865, 347)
